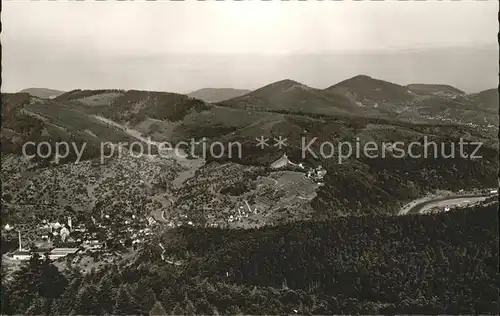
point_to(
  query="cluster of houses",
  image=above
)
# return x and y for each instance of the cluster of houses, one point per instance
(123, 230)
(59, 240)
(243, 212)
(315, 174)
(183, 219)
(55, 230)
(42, 249)
(483, 127)
(54, 254)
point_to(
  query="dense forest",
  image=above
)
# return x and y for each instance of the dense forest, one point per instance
(432, 264)
(135, 106)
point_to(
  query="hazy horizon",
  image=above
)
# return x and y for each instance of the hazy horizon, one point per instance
(185, 46)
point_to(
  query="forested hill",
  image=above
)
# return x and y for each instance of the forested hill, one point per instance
(435, 264)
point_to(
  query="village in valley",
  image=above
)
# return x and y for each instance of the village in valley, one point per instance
(106, 211)
(80, 210)
(89, 214)
(72, 241)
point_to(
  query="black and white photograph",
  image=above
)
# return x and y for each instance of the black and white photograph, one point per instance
(249, 157)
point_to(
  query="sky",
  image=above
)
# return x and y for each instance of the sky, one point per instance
(183, 46)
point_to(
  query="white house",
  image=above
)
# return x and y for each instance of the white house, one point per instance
(321, 172)
(57, 253)
(64, 234)
(93, 244)
(21, 255)
(151, 221)
(56, 225)
(282, 162)
(26, 254)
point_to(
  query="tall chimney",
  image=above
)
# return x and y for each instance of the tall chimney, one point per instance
(20, 247)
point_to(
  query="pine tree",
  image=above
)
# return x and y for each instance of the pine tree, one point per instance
(145, 296)
(215, 311)
(147, 299)
(105, 295)
(157, 310)
(66, 302)
(177, 310)
(4, 293)
(36, 307)
(54, 308)
(52, 283)
(166, 298)
(190, 308)
(84, 302)
(234, 310)
(124, 302)
(24, 286)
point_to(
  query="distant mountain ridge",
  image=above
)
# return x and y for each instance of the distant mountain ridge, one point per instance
(289, 109)
(166, 115)
(42, 93)
(217, 94)
(293, 96)
(488, 98)
(363, 89)
(434, 89)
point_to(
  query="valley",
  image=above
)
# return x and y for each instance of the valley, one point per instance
(178, 213)
(249, 158)
(197, 189)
